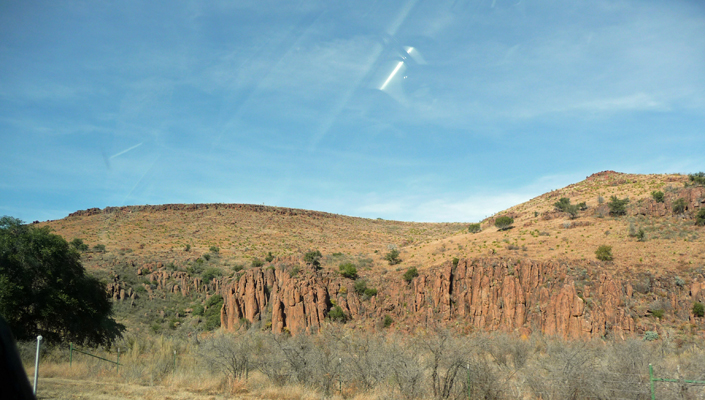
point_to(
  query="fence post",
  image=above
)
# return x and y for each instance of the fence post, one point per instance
(174, 373)
(469, 387)
(36, 365)
(70, 354)
(117, 365)
(651, 380)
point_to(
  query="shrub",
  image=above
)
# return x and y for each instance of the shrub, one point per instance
(698, 310)
(187, 248)
(99, 248)
(456, 260)
(657, 313)
(474, 228)
(362, 289)
(700, 217)
(564, 205)
(238, 267)
(641, 235)
(212, 313)
(388, 321)
(658, 196)
(207, 257)
(337, 314)
(360, 286)
(679, 206)
(393, 257)
(257, 263)
(348, 270)
(698, 178)
(618, 206)
(650, 336)
(198, 309)
(214, 249)
(79, 245)
(211, 273)
(269, 257)
(503, 222)
(294, 271)
(582, 206)
(313, 258)
(410, 274)
(604, 253)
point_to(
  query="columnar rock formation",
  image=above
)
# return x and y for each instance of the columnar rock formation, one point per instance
(482, 294)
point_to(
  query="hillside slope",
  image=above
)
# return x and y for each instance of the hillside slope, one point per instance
(540, 275)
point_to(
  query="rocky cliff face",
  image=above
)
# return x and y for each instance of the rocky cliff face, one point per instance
(522, 296)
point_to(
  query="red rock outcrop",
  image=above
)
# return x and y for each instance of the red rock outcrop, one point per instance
(489, 294)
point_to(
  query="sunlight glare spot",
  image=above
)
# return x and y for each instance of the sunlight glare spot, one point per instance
(392, 75)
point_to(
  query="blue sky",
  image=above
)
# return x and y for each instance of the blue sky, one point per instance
(408, 110)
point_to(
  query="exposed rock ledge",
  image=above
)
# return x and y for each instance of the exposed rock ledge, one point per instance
(521, 296)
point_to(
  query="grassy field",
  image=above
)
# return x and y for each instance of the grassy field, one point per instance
(343, 363)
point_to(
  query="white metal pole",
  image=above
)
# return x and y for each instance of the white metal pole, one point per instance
(36, 364)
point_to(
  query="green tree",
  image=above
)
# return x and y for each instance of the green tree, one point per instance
(214, 304)
(410, 274)
(564, 205)
(700, 217)
(504, 222)
(679, 206)
(393, 257)
(269, 257)
(348, 270)
(698, 310)
(313, 258)
(604, 253)
(44, 289)
(211, 273)
(79, 245)
(657, 196)
(387, 321)
(698, 178)
(618, 206)
(475, 228)
(337, 314)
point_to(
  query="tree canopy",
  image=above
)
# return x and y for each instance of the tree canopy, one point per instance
(503, 222)
(44, 289)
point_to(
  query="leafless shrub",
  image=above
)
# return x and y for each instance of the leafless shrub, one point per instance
(567, 371)
(228, 353)
(445, 358)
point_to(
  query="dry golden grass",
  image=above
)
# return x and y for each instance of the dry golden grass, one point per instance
(672, 244)
(504, 367)
(251, 232)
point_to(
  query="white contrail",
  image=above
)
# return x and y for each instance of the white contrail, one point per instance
(392, 75)
(125, 151)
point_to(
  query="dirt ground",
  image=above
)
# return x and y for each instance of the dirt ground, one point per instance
(70, 389)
